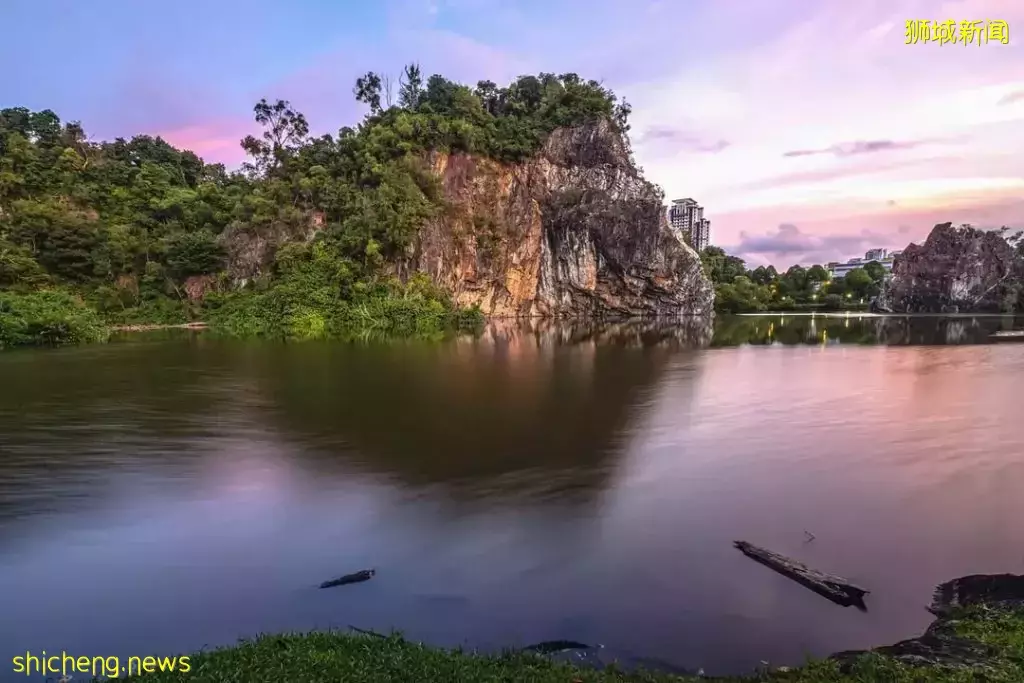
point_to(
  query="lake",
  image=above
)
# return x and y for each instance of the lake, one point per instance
(536, 482)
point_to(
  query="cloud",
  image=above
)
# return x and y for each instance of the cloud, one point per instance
(216, 141)
(788, 243)
(821, 175)
(847, 149)
(837, 236)
(1010, 98)
(673, 140)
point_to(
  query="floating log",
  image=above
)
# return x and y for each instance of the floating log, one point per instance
(364, 575)
(835, 588)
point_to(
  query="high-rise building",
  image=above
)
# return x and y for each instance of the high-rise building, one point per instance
(701, 237)
(876, 255)
(687, 216)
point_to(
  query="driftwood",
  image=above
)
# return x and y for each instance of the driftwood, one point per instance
(364, 575)
(835, 588)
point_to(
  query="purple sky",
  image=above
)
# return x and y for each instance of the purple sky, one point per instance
(810, 131)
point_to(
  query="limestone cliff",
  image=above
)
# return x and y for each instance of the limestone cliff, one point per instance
(573, 232)
(956, 270)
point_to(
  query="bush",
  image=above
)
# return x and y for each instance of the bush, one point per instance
(47, 318)
(833, 302)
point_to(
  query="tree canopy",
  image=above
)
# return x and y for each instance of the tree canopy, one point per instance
(738, 290)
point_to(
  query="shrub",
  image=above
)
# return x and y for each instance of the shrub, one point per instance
(47, 318)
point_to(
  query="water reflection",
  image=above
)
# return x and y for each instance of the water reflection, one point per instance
(681, 332)
(528, 409)
(845, 328)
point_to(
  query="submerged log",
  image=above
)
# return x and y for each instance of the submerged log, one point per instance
(835, 588)
(364, 575)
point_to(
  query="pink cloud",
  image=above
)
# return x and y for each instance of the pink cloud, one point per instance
(216, 141)
(819, 239)
(844, 171)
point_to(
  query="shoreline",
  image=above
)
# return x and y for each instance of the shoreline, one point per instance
(978, 632)
(151, 328)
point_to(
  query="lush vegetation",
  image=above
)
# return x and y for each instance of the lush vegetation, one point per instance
(301, 241)
(47, 318)
(364, 659)
(739, 290)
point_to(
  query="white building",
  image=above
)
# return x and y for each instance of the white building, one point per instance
(882, 256)
(687, 216)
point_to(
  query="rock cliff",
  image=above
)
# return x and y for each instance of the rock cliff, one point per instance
(956, 270)
(574, 232)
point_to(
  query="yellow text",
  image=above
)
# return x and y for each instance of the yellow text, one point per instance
(964, 32)
(92, 667)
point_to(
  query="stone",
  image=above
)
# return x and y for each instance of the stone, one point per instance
(956, 270)
(939, 646)
(573, 232)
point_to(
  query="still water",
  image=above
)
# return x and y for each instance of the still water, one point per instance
(162, 495)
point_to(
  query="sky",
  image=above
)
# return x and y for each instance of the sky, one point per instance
(809, 130)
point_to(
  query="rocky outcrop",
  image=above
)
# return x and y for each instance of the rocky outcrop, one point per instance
(574, 232)
(250, 250)
(942, 645)
(956, 270)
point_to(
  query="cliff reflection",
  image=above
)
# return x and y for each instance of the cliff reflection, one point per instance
(540, 409)
(682, 332)
(763, 330)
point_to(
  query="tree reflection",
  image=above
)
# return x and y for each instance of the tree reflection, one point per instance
(764, 330)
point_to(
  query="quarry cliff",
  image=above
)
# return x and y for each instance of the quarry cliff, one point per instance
(574, 231)
(956, 270)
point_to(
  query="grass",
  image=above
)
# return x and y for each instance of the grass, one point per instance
(354, 658)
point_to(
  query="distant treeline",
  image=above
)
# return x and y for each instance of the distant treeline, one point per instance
(739, 290)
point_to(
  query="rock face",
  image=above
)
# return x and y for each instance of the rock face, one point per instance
(573, 232)
(940, 646)
(955, 270)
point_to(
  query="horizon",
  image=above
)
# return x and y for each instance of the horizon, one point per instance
(809, 134)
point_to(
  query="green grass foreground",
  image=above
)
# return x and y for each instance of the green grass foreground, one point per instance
(347, 657)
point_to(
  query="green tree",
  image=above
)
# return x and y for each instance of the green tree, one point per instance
(721, 267)
(764, 275)
(817, 274)
(284, 132)
(859, 284)
(410, 88)
(876, 271)
(193, 253)
(368, 91)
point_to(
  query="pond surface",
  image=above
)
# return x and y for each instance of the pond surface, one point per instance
(534, 483)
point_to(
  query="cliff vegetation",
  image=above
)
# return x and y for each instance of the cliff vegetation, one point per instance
(303, 240)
